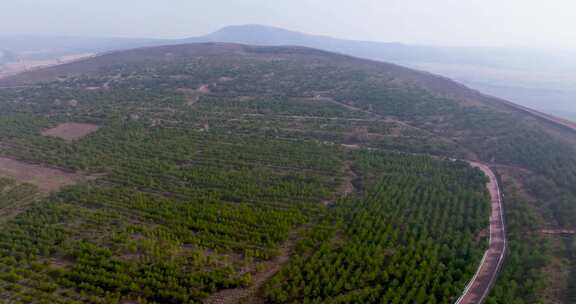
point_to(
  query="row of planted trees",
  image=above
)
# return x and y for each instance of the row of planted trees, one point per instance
(412, 237)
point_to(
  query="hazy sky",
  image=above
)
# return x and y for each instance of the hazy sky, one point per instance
(533, 23)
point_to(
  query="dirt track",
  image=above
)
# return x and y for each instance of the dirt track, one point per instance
(479, 287)
(251, 293)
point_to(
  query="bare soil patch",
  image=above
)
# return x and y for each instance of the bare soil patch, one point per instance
(225, 79)
(71, 131)
(61, 262)
(204, 89)
(193, 95)
(46, 179)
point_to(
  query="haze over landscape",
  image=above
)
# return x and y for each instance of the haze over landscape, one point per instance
(308, 151)
(530, 61)
(512, 23)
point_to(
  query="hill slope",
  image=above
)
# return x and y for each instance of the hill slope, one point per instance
(220, 164)
(536, 78)
(389, 51)
(530, 77)
(22, 53)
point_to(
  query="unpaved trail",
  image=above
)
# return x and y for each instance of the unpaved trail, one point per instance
(479, 287)
(347, 186)
(399, 122)
(350, 175)
(251, 293)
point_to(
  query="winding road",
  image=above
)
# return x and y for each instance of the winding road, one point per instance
(479, 287)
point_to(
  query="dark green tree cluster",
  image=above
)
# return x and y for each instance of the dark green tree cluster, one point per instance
(411, 237)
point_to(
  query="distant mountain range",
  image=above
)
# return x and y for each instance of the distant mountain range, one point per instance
(39, 48)
(397, 52)
(203, 151)
(537, 78)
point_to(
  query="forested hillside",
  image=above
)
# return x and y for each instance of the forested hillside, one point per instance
(289, 175)
(411, 237)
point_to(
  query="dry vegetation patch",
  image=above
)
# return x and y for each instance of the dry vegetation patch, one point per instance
(193, 95)
(71, 131)
(46, 179)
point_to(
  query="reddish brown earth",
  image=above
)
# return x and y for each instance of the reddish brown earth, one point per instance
(71, 131)
(46, 179)
(479, 287)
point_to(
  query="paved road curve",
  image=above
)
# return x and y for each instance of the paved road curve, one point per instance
(479, 287)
